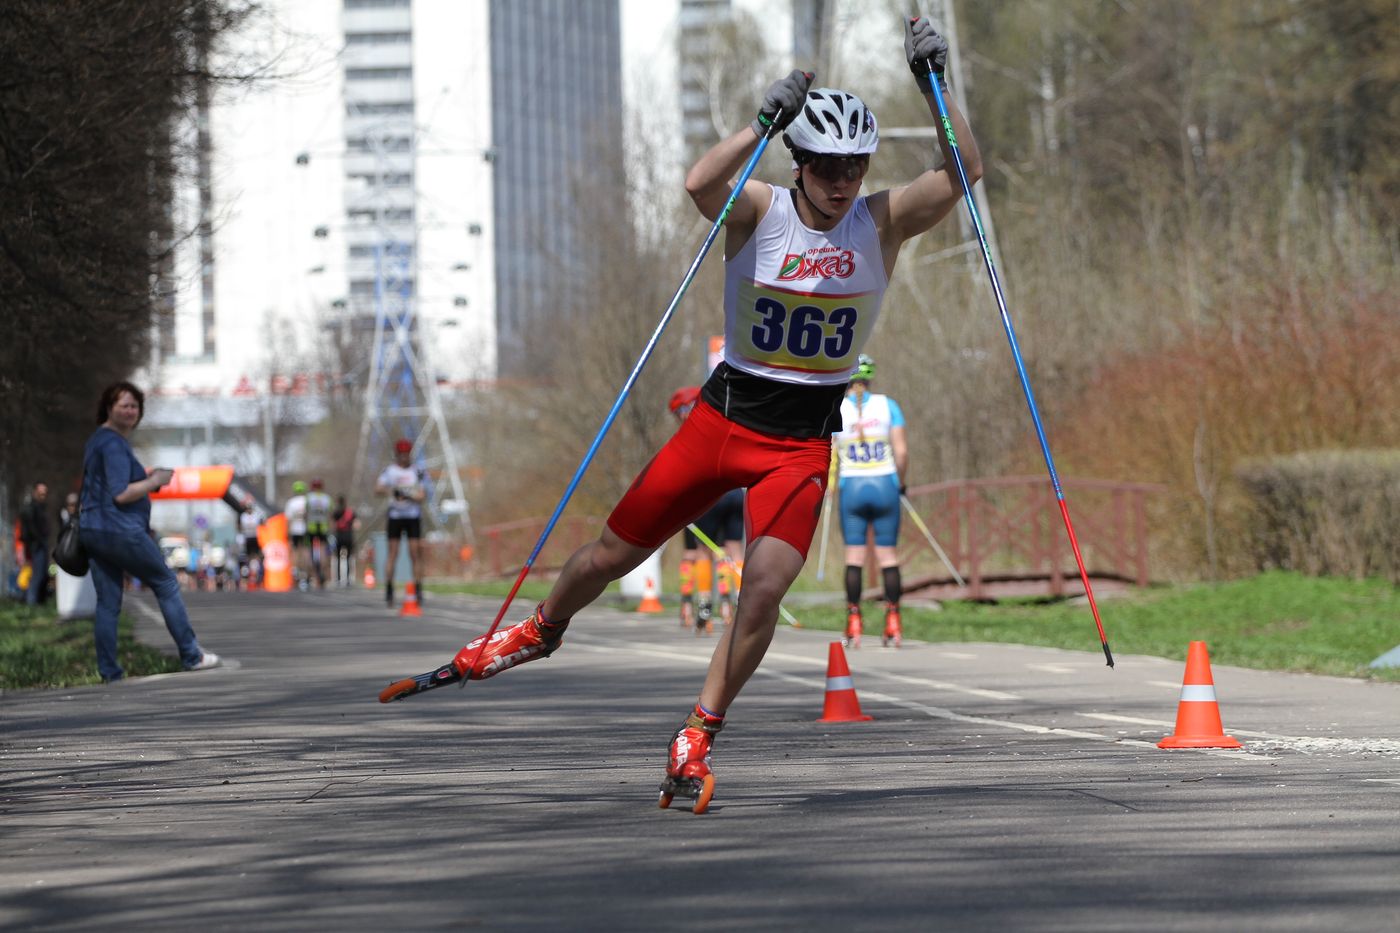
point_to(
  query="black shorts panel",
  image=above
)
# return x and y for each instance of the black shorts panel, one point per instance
(413, 527)
(725, 519)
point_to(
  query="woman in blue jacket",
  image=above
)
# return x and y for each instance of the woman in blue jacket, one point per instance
(115, 531)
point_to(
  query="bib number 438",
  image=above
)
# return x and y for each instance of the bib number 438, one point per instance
(805, 331)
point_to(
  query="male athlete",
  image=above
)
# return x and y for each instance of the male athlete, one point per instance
(805, 271)
(403, 483)
(873, 459)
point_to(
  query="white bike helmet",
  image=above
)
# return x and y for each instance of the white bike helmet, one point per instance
(833, 123)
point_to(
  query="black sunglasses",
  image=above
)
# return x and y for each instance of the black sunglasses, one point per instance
(838, 168)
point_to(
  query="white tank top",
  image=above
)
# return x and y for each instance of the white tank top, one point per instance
(800, 303)
(863, 446)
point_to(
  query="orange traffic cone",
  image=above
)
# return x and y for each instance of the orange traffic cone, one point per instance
(410, 600)
(1198, 715)
(369, 578)
(649, 601)
(841, 703)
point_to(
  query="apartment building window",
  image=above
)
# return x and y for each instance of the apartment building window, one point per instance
(378, 38)
(377, 74)
(353, 109)
(385, 144)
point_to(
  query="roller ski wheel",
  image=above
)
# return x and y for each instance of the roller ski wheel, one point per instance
(447, 674)
(705, 618)
(688, 771)
(698, 789)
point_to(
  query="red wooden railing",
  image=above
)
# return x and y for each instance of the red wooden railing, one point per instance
(1010, 528)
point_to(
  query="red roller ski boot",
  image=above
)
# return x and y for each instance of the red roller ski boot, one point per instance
(688, 762)
(854, 625)
(525, 641)
(894, 632)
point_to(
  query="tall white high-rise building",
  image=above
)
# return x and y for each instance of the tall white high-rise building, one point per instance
(389, 149)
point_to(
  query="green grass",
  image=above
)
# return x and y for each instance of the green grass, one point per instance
(1275, 621)
(37, 650)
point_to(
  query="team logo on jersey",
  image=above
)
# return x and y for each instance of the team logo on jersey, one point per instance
(823, 262)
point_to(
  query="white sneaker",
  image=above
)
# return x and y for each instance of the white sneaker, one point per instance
(208, 660)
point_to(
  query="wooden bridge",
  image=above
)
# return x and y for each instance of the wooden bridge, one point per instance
(1006, 537)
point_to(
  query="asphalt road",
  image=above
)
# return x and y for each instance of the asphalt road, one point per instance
(998, 787)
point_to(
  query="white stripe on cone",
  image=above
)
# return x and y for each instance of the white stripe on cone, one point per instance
(1198, 693)
(840, 683)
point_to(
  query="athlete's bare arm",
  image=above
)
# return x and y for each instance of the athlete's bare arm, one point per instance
(906, 211)
(709, 183)
(899, 446)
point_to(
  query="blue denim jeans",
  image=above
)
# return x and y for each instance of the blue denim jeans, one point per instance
(114, 553)
(39, 561)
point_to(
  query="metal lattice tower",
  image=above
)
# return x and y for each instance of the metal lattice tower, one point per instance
(401, 397)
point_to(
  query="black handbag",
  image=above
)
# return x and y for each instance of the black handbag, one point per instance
(69, 553)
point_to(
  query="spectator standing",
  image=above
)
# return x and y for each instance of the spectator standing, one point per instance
(116, 508)
(34, 533)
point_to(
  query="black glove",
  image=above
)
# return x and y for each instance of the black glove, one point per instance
(924, 47)
(782, 103)
(902, 490)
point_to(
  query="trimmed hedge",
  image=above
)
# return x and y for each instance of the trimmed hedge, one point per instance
(1326, 513)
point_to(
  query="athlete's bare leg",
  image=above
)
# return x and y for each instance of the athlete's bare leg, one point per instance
(588, 571)
(770, 566)
(415, 560)
(393, 562)
(884, 556)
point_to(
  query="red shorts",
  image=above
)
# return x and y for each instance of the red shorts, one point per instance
(710, 455)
